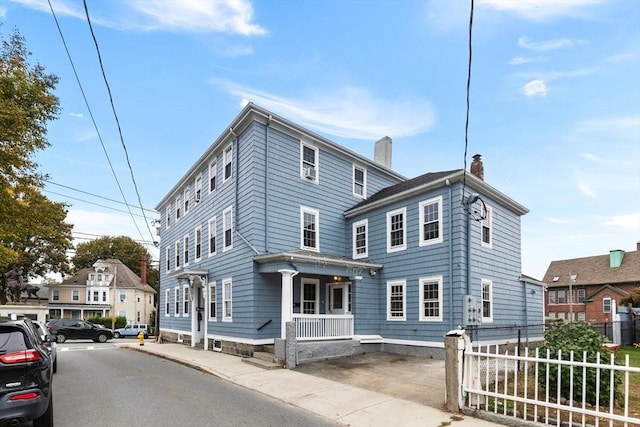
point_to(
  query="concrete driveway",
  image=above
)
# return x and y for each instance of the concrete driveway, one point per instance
(417, 379)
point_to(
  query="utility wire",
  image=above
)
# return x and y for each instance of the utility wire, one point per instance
(95, 195)
(95, 125)
(115, 115)
(466, 124)
(90, 203)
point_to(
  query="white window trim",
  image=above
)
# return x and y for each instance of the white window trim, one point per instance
(390, 214)
(607, 298)
(185, 201)
(365, 254)
(212, 295)
(178, 207)
(213, 166)
(421, 206)
(364, 182)
(489, 222)
(316, 283)
(185, 301)
(403, 284)
(177, 255)
(177, 302)
(228, 148)
(197, 241)
(167, 215)
(229, 211)
(316, 214)
(483, 282)
(167, 303)
(197, 186)
(226, 281)
(422, 281)
(211, 225)
(167, 255)
(315, 162)
(186, 256)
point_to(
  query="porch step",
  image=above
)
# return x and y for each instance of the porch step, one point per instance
(267, 357)
(269, 348)
(261, 363)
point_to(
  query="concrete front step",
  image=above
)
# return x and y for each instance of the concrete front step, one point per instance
(262, 363)
(267, 357)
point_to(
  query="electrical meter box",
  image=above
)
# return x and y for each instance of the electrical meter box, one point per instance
(471, 311)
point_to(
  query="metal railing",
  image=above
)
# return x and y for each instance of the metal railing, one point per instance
(549, 388)
(311, 327)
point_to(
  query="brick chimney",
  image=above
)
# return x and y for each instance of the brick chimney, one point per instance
(477, 168)
(143, 269)
(382, 152)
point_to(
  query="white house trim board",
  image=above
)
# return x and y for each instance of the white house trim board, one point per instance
(286, 307)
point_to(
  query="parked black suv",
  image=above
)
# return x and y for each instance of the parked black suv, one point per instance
(78, 329)
(26, 375)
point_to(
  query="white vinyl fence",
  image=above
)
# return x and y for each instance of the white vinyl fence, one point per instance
(546, 388)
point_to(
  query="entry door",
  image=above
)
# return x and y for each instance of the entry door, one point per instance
(337, 298)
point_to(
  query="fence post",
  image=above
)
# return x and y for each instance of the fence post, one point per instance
(454, 344)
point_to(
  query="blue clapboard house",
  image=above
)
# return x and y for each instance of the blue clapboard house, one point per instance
(275, 228)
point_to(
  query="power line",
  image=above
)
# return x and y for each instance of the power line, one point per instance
(466, 124)
(115, 115)
(95, 195)
(95, 125)
(90, 203)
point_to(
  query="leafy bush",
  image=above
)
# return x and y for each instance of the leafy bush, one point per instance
(121, 322)
(578, 337)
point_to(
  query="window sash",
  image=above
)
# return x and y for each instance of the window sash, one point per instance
(213, 170)
(396, 301)
(227, 311)
(212, 236)
(228, 236)
(228, 160)
(212, 301)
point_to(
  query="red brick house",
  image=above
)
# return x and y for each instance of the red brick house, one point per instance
(586, 288)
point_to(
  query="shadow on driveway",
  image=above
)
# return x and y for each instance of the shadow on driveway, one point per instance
(413, 378)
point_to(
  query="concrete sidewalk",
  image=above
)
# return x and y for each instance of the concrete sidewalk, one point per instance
(341, 403)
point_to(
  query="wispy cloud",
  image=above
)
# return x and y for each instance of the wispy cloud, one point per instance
(586, 189)
(192, 16)
(632, 55)
(77, 115)
(348, 112)
(519, 60)
(547, 45)
(628, 221)
(542, 10)
(535, 88)
(557, 220)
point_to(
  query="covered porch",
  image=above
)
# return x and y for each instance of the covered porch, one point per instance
(316, 292)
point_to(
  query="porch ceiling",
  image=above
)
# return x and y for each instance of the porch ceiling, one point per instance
(314, 262)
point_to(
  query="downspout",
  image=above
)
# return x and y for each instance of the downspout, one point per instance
(266, 185)
(236, 143)
(526, 313)
(450, 256)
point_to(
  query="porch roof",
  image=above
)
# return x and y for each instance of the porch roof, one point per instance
(314, 262)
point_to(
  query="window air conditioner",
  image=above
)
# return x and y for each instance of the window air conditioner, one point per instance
(310, 172)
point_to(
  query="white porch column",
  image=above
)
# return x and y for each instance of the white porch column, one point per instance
(205, 315)
(193, 296)
(287, 300)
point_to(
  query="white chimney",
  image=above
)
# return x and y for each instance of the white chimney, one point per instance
(382, 152)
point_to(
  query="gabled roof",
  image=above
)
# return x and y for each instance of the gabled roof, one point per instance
(430, 181)
(594, 270)
(615, 289)
(126, 279)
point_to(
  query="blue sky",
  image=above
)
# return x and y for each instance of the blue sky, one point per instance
(554, 100)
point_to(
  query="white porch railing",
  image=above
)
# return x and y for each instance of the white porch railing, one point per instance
(519, 385)
(323, 326)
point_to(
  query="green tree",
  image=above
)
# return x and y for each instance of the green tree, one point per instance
(123, 248)
(33, 235)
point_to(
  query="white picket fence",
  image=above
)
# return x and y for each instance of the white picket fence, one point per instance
(519, 385)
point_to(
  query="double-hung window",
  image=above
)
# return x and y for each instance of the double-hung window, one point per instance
(177, 251)
(213, 170)
(431, 298)
(178, 207)
(360, 239)
(167, 302)
(186, 200)
(198, 188)
(396, 300)
(227, 226)
(176, 307)
(167, 256)
(198, 243)
(185, 300)
(562, 299)
(167, 214)
(308, 163)
(310, 291)
(75, 295)
(581, 295)
(226, 300)
(185, 247)
(309, 222)
(55, 296)
(228, 162)
(486, 226)
(212, 236)
(606, 304)
(212, 301)
(396, 230)
(487, 300)
(359, 182)
(552, 297)
(430, 213)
